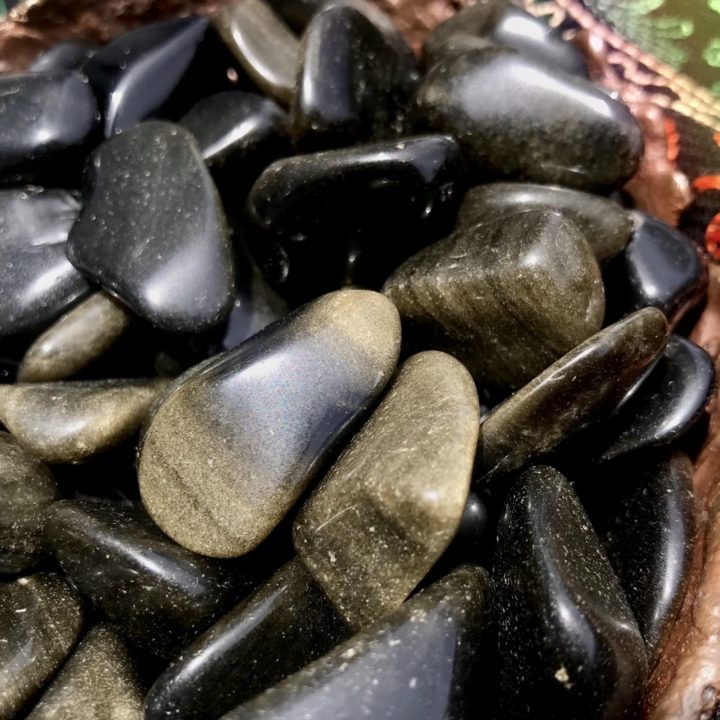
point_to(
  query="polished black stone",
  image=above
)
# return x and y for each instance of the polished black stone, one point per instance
(665, 406)
(353, 83)
(67, 55)
(660, 268)
(568, 644)
(498, 22)
(279, 629)
(47, 121)
(157, 594)
(516, 118)
(37, 283)
(426, 661)
(332, 218)
(152, 230)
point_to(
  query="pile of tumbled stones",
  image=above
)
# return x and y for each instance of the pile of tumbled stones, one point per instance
(338, 384)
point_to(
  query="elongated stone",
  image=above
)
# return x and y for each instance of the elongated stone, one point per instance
(517, 118)
(152, 230)
(208, 474)
(40, 621)
(157, 594)
(393, 501)
(584, 386)
(75, 340)
(265, 47)
(67, 55)
(69, 422)
(98, 681)
(507, 298)
(279, 629)
(606, 225)
(425, 661)
(568, 644)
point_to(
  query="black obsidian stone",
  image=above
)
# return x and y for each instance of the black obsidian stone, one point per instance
(516, 118)
(47, 121)
(660, 268)
(353, 83)
(568, 644)
(332, 218)
(68, 55)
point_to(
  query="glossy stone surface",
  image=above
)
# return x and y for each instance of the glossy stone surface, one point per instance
(27, 489)
(352, 215)
(499, 23)
(507, 298)
(516, 118)
(606, 225)
(265, 47)
(208, 474)
(67, 55)
(660, 268)
(667, 404)
(393, 501)
(152, 230)
(48, 119)
(157, 594)
(423, 662)
(568, 644)
(40, 621)
(34, 226)
(98, 681)
(584, 386)
(68, 422)
(75, 340)
(279, 629)
(353, 83)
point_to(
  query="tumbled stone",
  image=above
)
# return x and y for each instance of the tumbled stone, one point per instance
(67, 422)
(517, 118)
(331, 218)
(27, 489)
(66, 55)
(157, 594)
(40, 621)
(264, 46)
(568, 644)
(391, 504)
(584, 386)
(98, 681)
(220, 465)
(606, 225)
(427, 660)
(75, 340)
(507, 297)
(279, 629)
(152, 230)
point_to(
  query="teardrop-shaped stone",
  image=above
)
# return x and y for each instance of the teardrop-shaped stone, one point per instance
(516, 118)
(69, 422)
(568, 644)
(48, 119)
(498, 22)
(345, 216)
(279, 629)
(584, 386)
(27, 489)
(426, 661)
(265, 47)
(66, 55)
(393, 501)
(152, 230)
(75, 340)
(606, 225)
(37, 282)
(98, 681)
(507, 298)
(40, 621)
(220, 464)
(158, 595)
(353, 83)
